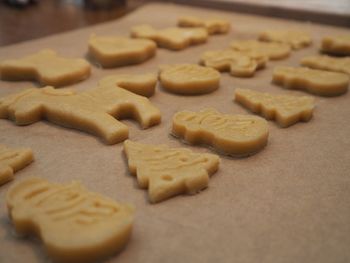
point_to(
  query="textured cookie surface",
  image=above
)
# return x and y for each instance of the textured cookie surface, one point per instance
(74, 224)
(120, 51)
(92, 111)
(235, 135)
(320, 82)
(339, 45)
(189, 79)
(324, 62)
(296, 39)
(45, 67)
(171, 38)
(142, 84)
(166, 171)
(12, 160)
(285, 109)
(212, 25)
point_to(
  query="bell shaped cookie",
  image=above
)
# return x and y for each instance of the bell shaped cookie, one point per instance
(297, 39)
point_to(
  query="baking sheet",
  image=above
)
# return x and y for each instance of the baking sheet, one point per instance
(288, 203)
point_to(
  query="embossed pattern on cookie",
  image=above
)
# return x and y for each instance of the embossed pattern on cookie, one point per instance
(320, 82)
(324, 62)
(45, 67)
(75, 225)
(230, 134)
(166, 171)
(296, 39)
(212, 25)
(12, 160)
(285, 109)
(338, 45)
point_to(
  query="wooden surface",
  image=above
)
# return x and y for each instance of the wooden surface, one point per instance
(288, 203)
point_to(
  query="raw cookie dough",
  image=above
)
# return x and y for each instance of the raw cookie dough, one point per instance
(45, 67)
(93, 111)
(338, 45)
(142, 84)
(171, 38)
(12, 160)
(285, 109)
(120, 51)
(212, 25)
(166, 171)
(324, 62)
(74, 224)
(239, 64)
(320, 82)
(189, 79)
(296, 39)
(231, 134)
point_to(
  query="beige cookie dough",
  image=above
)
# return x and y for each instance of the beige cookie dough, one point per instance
(111, 51)
(295, 38)
(230, 134)
(324, 62)
(74, 224)
(212, 25)
(166, 171)
(338, 45)
(285, 109)
(320, 82)
(189, 79)
(142, 84)
(93, 111)
(45, 67)
(12, 160)
(173, 38)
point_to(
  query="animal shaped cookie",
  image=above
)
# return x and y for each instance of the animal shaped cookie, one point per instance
(231, 134)
(324, 62)
(296, 39)
(166, 171)
(212, 25)
(171, 38)
(142, 84)
(189, 79)
(74, 224)
(112, 51)
(285, 109)
(12, 160)
(92, 111)
(45, 67)
(239, 64)
(338, 45)
(320, 82)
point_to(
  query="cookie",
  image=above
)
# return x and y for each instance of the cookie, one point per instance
(239, 64)
(45, 67)
(338, 45)
(273, 50)
(142, 84)
(93, 111)
(212, 25)
(12, 160)
(320, 82)
(111, 51)
(324, 62)
(74, 224)
(166, 171)
(189, 79)
(230, 134)
(296, 39)
(285, 109)
(173, 38)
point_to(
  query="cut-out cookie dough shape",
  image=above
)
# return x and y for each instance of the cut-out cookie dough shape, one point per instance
(324, 62)
(296, 39)
(189, 79)
(230, 134)
(285, 109)
(142, 84)
(171, 38)
(212, 25)
(239, 64)
(74, 224)
(12, 160)
(272, 50)
(45, 67)
(320, 82)
(338, 45)
(166, 171)
(120, 51)
(92, 111)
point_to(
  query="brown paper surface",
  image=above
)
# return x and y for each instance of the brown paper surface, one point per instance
(288, 203)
